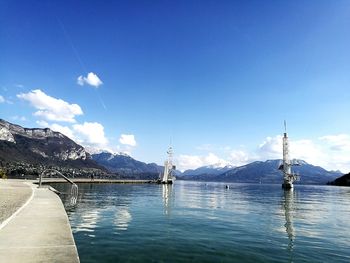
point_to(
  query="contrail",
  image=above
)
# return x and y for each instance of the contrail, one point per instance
(75, 51)
(69, 40)
(99, 97)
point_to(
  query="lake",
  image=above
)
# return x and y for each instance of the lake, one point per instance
(205, 222)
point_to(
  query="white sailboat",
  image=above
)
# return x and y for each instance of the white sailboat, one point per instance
(169, 168)
(288, 176)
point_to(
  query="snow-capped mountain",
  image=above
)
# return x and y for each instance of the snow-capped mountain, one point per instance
(40, 146)
(263, 172)
(125, 164)
(209, 170)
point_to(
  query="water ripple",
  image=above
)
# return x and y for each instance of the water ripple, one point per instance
(205, 222)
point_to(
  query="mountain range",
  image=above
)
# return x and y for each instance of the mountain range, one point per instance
(255, 172)
(341, 181)
(207, 171)
(266, 172)
(126, 165)
(35, 149)
(39, 148)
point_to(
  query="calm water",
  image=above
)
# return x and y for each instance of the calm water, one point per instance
(204, 222)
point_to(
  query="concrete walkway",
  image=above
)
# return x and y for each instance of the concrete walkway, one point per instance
(12, 196)
(39, 232)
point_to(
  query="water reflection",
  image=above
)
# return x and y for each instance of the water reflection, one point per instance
(88, 221)
(73, 196)
(167, 198)
(215, 197)
(208, 223)
(289, 209)
(69, 195)
(122, 218)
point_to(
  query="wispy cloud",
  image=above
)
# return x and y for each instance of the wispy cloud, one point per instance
(339, 142)
(5, 100)
(91, 79)
(18, 118)
(50, 108)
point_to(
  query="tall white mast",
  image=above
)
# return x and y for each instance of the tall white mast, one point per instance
(168, 167)
(288, 176)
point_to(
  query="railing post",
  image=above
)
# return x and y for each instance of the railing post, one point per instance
(59, 173)
(40, 178)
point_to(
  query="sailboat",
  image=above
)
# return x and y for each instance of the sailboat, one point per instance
(169, 168)
(288, 176)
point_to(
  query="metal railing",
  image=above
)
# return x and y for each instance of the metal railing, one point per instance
(59, 173)
(74, 189)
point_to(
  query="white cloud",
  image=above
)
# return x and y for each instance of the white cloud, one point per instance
(304, 149)
(91, 134)
(64, 130)
(50, 108)
(4, 100)
(331, 152)
(80, 80)
(91, 79)
(271, 148)
(307, 150)
(42, 123)
(127, 139)
(338, 142)
(337, 148)
(239, 157)
(186, 162)
(212, 159)
(235, 158)
(58, 128)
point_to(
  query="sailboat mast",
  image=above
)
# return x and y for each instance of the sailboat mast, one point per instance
(168, 166)
(286, 160)
(288, 176)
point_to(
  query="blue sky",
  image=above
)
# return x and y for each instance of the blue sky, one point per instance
(217, 77)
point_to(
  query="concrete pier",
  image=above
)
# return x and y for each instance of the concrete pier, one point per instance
(13, 195)
(39, 229)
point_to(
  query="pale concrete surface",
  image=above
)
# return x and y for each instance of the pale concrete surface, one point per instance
(13, 194)
(40, 232)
